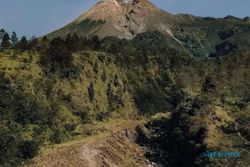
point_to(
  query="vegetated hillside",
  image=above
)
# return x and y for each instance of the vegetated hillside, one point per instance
(212, 115)
(194, 105)
(39, 106)
(212, 36)
(114, 146)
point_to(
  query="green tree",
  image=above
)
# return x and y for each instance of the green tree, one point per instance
(96, 42)
(68, 42)
(28, 149)
(43, 44)
(58, 52)
(73, 42)
(33, 43)
(114, 100)
(2, 32)
(95, 68)
(110, 93)
(57, 136)
(14, 39)
(91, 91)
(23, 44)
(8, 144)
(77, 42)
(104, 75)
(6, 41)
(209, 84)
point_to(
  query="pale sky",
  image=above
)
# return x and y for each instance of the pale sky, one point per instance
(39, 17)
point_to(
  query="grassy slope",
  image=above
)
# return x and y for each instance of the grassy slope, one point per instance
(202, 36)
(57, 155)
(143, 84)
(61, 106)
(85, 28)
(91, 66)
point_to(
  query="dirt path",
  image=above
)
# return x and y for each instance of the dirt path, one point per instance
(115, 147)
(88, 154)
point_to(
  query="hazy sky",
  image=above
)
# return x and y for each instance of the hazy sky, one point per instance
(38, 17)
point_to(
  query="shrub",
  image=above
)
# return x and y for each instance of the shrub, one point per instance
(91, 91)
(57, 136)
(28, 149)
(209, 84)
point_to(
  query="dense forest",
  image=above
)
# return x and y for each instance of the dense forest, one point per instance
(50, 88)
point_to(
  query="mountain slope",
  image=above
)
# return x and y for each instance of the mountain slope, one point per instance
(123, 19)
(127, 18)
(212, 36)
(46, 100)
(115, 146)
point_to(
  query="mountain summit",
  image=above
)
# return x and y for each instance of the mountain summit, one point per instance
(201, 36)
(120, 18)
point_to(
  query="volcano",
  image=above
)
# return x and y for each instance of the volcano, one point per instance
(119, 18)
(125, 19)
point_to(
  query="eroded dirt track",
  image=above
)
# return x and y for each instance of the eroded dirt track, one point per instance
(116, 148)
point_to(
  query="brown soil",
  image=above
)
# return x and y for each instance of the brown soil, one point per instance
(115, 149)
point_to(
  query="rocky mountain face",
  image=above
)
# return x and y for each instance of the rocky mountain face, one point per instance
(127, 18)
(120, 18)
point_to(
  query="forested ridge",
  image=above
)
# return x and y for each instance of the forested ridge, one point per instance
(51, 88)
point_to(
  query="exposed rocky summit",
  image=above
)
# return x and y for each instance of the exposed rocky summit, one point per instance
(120, 18)
(127, 18)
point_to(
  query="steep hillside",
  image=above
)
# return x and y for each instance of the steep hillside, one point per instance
(122, 19)
(203, 37)
(60, 92)
(212, 37)
(212, 115)
(114, 146)
(39, 106)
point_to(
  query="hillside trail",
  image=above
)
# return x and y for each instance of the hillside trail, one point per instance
(114, 147)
